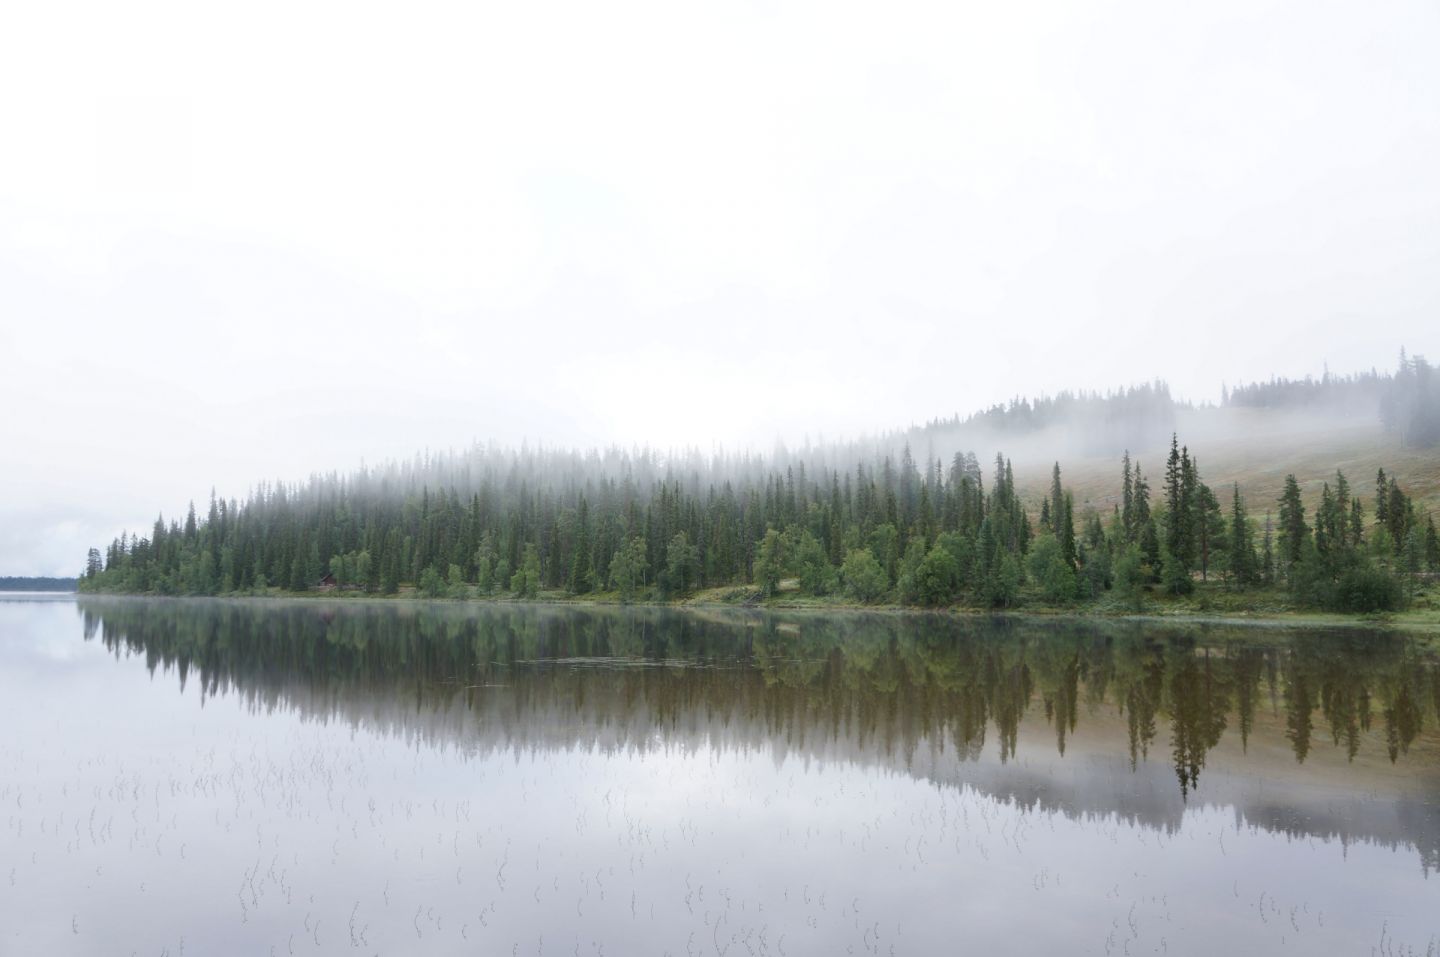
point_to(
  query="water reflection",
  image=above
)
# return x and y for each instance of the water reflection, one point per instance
(990, 703)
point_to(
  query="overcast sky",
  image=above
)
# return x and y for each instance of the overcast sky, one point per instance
(245, 241)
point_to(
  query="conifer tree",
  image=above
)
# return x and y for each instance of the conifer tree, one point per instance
(1067, 530)
(1241, 553)
(1398, 515)
(390, 579)
(1293, 531)
(580, 578)
(1267, 551)
(1209, 527)
(1057, 497)
(1174, 514)
(1127, 500)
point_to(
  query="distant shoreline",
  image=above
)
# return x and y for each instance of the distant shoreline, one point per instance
(38, 584)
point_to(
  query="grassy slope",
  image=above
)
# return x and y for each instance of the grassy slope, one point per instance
(1260, 465)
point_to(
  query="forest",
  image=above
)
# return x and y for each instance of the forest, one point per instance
(629, 527)
(852, 522)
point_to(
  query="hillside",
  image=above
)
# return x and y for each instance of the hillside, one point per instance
(1262, 447)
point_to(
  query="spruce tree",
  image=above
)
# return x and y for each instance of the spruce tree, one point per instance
(390, 579)
(580, 578)
(1293, 531)
(1209, 526)
(1398, 514)
(1173, 515)
(1057, 499)
(1241, 553)
(1179, 520)
(1127, 500)
(1267, 551)
(1067, 530)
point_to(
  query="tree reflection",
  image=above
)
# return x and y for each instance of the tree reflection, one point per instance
(816, 684)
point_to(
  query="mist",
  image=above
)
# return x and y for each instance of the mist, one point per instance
(335, 239)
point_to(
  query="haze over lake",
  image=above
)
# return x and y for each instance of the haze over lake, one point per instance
(251, 777)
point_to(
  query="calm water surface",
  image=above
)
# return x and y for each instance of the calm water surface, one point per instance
(217, 777)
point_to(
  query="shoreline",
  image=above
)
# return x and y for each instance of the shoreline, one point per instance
(1425, 622)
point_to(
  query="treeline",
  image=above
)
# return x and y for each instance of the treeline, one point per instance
(1408, 400)
(1411, 407)
(928, 533)
(1147, 409)
(1359, 392)
(41, 583)
(1091, 423)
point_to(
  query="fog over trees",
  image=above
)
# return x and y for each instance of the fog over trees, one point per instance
(867, 520)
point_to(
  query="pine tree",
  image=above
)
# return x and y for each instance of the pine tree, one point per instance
(1293, 531)
(1140, 502)
(1057, 499)
(1337, 519)
(1150, 548)
(1180, 481)
(1241, 553)
(390, 578)
(1398, 514)
(1324, 521)
(1174, 516)
(580, 578)
(1267, 551)
(1210, 527)
(1127, 500)
(1067, 530)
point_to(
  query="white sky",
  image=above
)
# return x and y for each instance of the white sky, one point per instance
(260, 240)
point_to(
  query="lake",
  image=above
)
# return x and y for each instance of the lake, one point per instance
(269, 777)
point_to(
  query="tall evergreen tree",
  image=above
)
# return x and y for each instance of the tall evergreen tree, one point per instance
(1127, 499)
(581, 579)
(1293, 531)
(1240, 556)
(1209, 528)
